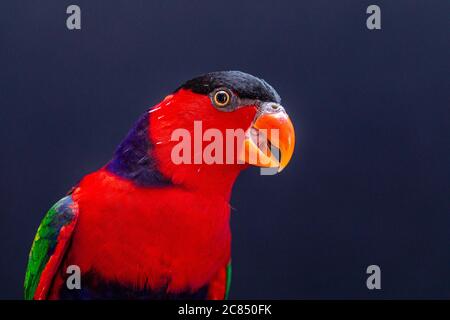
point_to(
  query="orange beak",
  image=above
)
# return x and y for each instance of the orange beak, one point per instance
(270, 140)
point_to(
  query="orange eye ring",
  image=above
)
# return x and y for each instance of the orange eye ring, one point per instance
(222, 98)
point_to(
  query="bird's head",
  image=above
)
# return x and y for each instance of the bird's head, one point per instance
(207, 131)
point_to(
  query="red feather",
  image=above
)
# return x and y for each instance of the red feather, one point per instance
(51, 268)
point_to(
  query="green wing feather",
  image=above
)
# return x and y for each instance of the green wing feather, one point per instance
(227, 290)
(61, 214)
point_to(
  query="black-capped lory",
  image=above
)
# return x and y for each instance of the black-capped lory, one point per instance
(153, 223)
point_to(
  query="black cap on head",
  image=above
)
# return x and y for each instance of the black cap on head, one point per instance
(243, 84)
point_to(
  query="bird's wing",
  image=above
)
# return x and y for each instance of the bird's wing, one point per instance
(51, 241)
(219, 287)
(228, 281)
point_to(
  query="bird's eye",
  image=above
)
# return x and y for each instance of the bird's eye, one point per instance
(222, 98)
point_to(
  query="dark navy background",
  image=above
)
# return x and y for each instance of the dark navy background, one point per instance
(370, 178)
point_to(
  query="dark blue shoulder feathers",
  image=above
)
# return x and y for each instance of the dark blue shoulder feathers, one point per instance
(133, 158)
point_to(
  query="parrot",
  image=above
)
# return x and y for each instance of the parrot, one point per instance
(144, 226)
